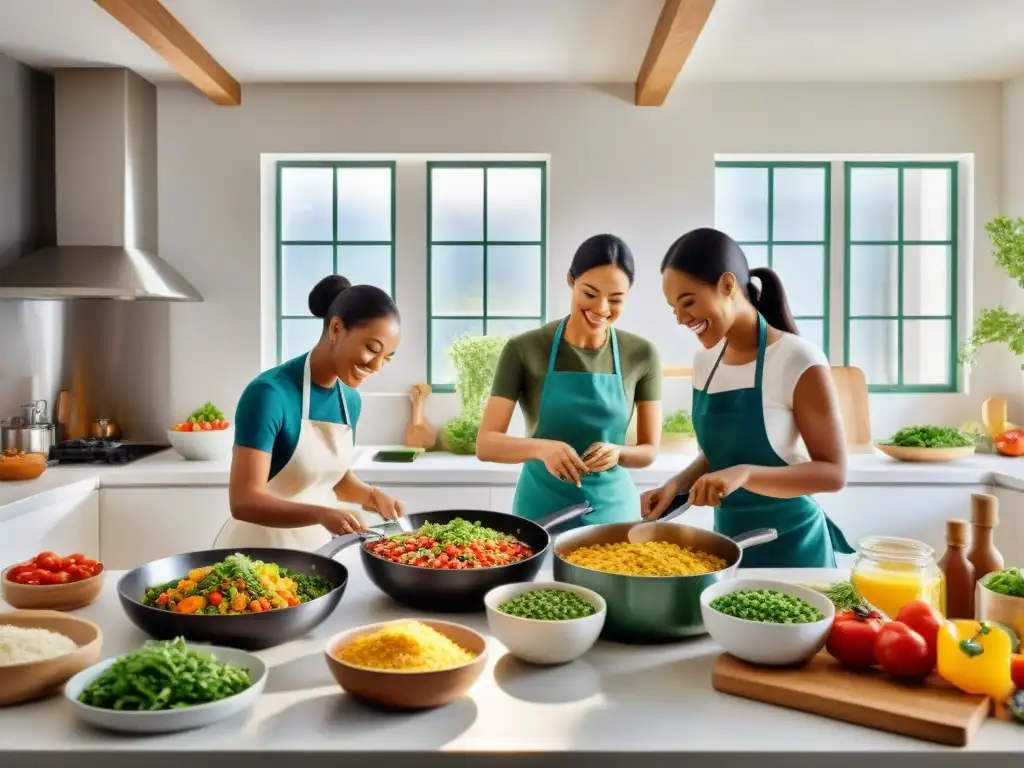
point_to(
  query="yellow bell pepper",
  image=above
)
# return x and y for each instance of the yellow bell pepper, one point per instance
(975, 657)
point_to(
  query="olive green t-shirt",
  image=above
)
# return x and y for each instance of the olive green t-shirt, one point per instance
(524, 363)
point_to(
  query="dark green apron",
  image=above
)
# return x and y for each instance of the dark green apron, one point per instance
(730, 431)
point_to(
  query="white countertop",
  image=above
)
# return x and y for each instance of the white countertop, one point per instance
(618, 698)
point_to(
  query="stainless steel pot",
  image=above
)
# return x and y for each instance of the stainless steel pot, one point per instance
(30, 438)
(646, 609)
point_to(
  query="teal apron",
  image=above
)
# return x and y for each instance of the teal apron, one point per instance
(730, 431)
(580, 409)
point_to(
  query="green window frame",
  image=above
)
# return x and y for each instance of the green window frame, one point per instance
(334, 242)
(770, 243)
(485, 244)
(900, 243)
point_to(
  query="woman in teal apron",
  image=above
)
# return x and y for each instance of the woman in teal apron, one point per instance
(739, 470)
(577, 380)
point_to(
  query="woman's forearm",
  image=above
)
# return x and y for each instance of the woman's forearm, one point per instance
(637, 456)
(693, 472)
(353, 490)
(269, 511)
(797, 479)
(506, 449)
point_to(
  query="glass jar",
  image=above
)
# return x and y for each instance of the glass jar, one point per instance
(890, 572)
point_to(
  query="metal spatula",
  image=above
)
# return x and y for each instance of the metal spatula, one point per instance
(660, 529)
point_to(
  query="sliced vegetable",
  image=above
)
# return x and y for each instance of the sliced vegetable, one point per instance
(852, 639)
(902, 652)
(975, 657)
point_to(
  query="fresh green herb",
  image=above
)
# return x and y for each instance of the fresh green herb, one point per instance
(164, 675)
(678, 423)
(929, 437)
(1009, 581)
(458, 532)
(460, 435)
(548, 605)
(999, 325)
(767, 606)
(474, 359)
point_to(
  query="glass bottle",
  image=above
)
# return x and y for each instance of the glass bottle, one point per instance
(890, 572)
(957, 572)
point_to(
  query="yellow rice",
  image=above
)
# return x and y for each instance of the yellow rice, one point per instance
(404, 646)
(652, 558)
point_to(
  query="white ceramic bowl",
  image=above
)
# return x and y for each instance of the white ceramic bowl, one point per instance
(762, 643)
(544, 642)
(170, 720)
(211, 445)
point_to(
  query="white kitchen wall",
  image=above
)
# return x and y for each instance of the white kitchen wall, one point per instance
(644, 174)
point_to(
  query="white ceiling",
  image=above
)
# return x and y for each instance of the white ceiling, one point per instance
(540, 40)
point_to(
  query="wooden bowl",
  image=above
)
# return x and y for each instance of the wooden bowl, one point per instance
(51, 597)
(35, 679)
(1002, 609)
(27, 466)
(901, 453)
(405, 690)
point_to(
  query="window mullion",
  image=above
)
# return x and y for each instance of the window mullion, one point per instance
(484, 170)
(899, 277)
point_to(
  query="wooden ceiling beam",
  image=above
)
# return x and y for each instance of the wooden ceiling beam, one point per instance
(155, 25)
(678, 27)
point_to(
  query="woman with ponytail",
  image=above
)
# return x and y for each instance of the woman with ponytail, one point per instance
(764, 408)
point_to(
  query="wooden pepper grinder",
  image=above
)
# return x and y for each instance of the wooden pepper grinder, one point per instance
(984, 518)
(420, 433)
(958, 572)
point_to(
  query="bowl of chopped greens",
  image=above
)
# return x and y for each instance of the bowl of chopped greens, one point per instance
(999, 598)
(167, 686)
(927, 444)
(766, 622)
(545, 622)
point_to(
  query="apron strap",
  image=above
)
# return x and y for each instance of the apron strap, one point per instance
(554, 346)
(714, 368)
(307, 379)
(762, 343)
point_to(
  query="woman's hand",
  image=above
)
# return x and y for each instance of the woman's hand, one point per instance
(654, 502)
(384, 505)
(601, 456)
(340, 521)
(710, 489)
(562, 461)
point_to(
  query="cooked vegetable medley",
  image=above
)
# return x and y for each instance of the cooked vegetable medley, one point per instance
(407, 646)
(235, 586)
(548, 605)
(652, 558)
(451, 546)
(1009, 581)
(767, 606)
(164, 675)
(929, 437)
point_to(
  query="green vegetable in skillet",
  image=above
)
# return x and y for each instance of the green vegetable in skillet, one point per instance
(164, 675)
(548, 605)
(767, 606)
(1009, 581)
(929, 437)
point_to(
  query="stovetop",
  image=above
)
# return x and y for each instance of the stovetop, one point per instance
(100, 451)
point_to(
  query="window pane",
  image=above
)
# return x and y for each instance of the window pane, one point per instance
(757, 255)
(741, 202)
(802, 269)
(799, 204)
(513, 204)
(443, 333)
(364, 204)
(926, 198)
(874, 203)
(513, 280)
(306, 199)
(812, 330)
(926, 289)
(457, 279)
(366, 264)
(302, 267)
(874, 349)
(926, 352)
(457, 204)
(874, 281)
(299, 336)
(511, 327)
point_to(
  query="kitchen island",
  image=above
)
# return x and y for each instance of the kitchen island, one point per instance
(618, 705)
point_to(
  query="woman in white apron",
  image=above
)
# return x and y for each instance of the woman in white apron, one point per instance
(291, 482)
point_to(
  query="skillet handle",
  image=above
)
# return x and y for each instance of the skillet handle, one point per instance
(566, 515)
(338, 543)
(755, 537)
(679, 504)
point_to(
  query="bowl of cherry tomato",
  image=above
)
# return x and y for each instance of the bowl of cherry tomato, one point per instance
(51, 582)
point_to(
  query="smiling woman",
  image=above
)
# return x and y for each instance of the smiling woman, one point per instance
(294, 429)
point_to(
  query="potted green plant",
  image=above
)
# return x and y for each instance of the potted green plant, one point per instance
(677, 431)
(475, 359)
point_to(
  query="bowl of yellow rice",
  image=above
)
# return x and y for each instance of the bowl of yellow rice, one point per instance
(408, 663)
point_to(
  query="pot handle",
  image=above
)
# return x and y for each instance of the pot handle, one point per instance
(338, 543)
(566, 515)
(755, 537)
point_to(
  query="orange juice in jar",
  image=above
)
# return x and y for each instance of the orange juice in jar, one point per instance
(890, 572)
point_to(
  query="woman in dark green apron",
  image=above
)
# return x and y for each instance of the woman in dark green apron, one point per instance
(739, 471)
(577, 380)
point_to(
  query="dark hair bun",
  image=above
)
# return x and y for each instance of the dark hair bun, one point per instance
(325, 292)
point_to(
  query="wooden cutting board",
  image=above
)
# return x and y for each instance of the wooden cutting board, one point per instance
(934, 710)
(852, 391)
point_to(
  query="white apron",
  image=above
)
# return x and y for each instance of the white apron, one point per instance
(322, 456)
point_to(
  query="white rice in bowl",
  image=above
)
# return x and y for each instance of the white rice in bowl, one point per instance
(19, 645)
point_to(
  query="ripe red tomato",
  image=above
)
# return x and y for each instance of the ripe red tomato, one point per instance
(50, 563)
(32, 577)
(926, 621)
(902, 652)
(78, 573)
(1011, 443)
(851, 640)
(1017, 670)
(17, 570)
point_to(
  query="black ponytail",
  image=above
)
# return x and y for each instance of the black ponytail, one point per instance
(354, 305)
(601, 251)
(706, 254)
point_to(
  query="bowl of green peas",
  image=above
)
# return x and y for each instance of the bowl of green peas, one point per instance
(545, 622)
(767, 622)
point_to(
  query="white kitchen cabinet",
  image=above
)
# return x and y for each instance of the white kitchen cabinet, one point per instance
(430, 498)
(64, 526)
(142, 524)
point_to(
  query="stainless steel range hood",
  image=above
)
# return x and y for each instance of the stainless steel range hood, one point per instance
(106, 198)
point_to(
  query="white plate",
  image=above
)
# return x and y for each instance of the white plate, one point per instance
(170, 720)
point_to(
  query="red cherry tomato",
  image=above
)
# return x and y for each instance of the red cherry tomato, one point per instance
(1017, 669)
(902, 652)
(78, 573)
(926, 621)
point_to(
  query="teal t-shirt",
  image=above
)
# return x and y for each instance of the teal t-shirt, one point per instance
(269, 413)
